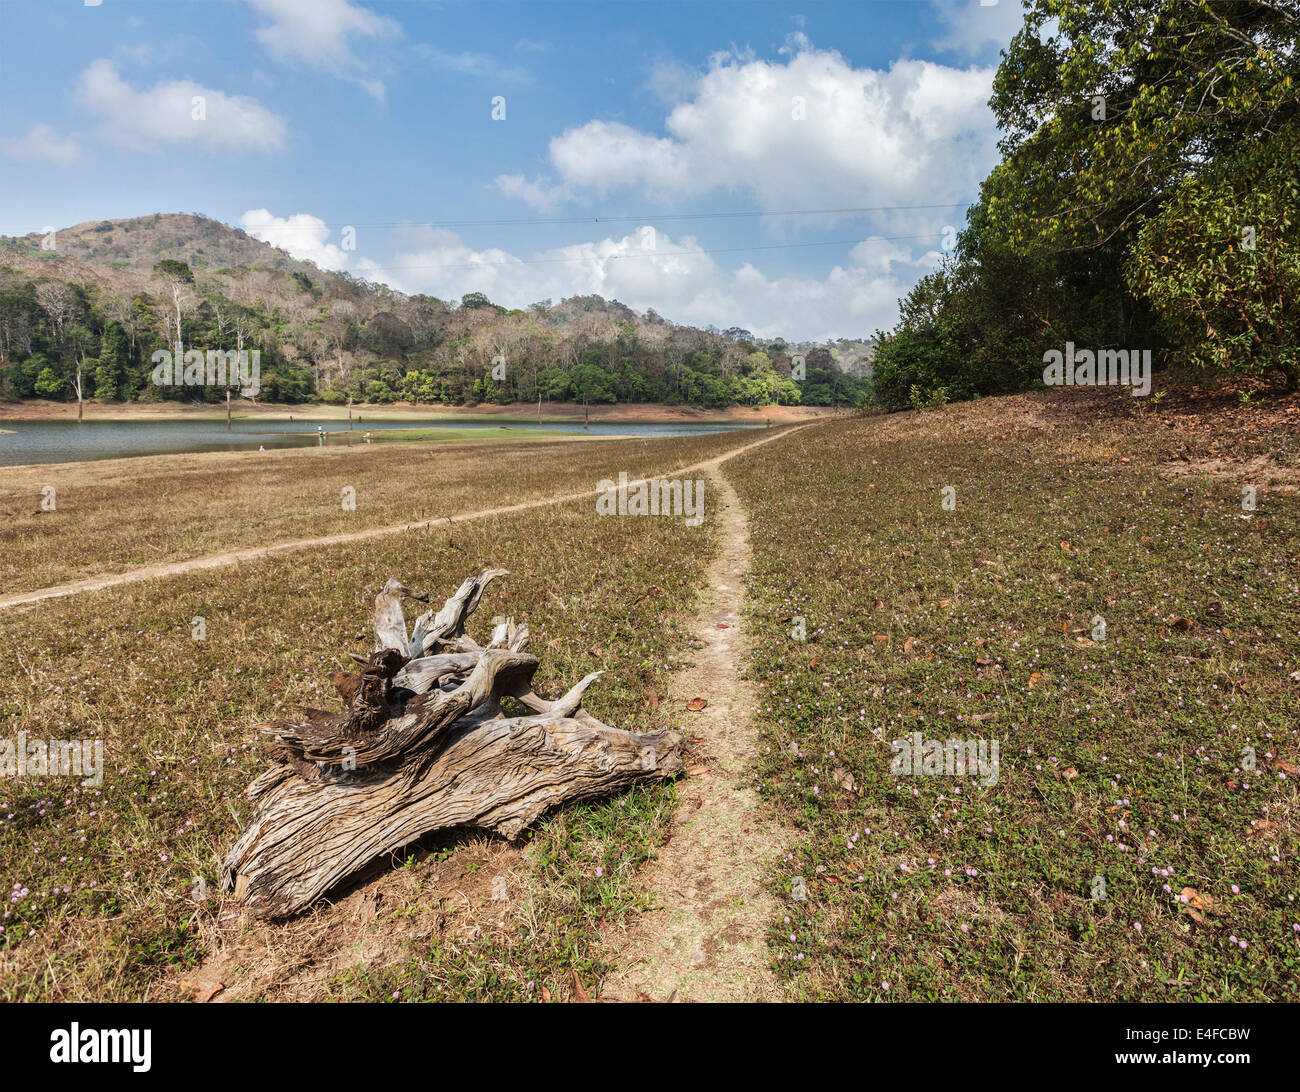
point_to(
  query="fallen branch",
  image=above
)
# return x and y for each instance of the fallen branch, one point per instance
(424, 745)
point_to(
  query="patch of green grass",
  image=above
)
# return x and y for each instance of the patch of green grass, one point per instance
(1120, 760)
(583, 863)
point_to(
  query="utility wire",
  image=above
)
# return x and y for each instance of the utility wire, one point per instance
(541, 220)
(647, 254)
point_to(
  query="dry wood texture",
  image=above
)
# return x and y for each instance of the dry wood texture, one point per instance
(424, 745)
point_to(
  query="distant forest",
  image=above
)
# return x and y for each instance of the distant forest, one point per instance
(80, 309)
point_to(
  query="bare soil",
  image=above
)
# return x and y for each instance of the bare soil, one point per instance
(706, 939)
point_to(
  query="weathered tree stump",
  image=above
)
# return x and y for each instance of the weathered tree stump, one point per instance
(424, 745)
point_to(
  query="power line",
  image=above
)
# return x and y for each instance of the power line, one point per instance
(648, 254)
(543, 220)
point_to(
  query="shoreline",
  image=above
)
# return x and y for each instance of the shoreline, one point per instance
(414, 435)
(628, 413)
(339, 440)
(113, 463)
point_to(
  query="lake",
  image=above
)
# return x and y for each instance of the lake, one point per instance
(67, 441)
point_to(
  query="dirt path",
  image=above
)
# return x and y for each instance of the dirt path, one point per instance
(706, 940)
(215, 561)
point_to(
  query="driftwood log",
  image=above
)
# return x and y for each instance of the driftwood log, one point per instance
(424, 745)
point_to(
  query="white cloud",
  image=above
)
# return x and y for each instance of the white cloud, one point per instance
(43, 142)
(604, 155)
(477, 65)
(536, 194)
(796, 42)
(973, 26)
(670, 81)
(168, 112)
(811, 132)
(320, 32)
(304, 236)
(677, 278)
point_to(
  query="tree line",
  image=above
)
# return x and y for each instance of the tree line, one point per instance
(332, 338)
(1148, 197)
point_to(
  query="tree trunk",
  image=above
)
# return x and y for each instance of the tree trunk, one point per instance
(425, 745)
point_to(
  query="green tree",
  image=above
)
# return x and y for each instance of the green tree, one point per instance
(1221, 260)
(590, 383)
(171, 269)
(113, 376)
(1141, 111)
(49, 384)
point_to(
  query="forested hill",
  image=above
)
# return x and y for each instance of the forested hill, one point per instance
(100, 298)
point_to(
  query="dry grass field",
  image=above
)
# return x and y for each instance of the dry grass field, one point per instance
(939, 573)
(1140, 839)
(119, 514)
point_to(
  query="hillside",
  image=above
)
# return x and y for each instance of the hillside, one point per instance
(105, 295)
(140, 242)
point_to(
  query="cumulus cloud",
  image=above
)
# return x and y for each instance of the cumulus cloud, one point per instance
(175, 112)
(676, 277)
(810, 131)
(320, 33)
(670, 81)
(43, 142)
(304, 236)
(805, 131)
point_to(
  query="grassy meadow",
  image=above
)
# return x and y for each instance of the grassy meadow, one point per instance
(1139, 843)
(101, 881)
(119, 514)
(1127, 850)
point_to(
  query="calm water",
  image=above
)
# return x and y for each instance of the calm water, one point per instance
(68, 441)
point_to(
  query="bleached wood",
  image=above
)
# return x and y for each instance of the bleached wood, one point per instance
(424, 745)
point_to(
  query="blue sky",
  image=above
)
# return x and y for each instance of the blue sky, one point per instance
(623, 123)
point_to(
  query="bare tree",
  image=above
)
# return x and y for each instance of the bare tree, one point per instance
(57, 302)
(242, 324)
(76, 385)
(17, 326)
(177, 302)
(123, 312)
(222, 317)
